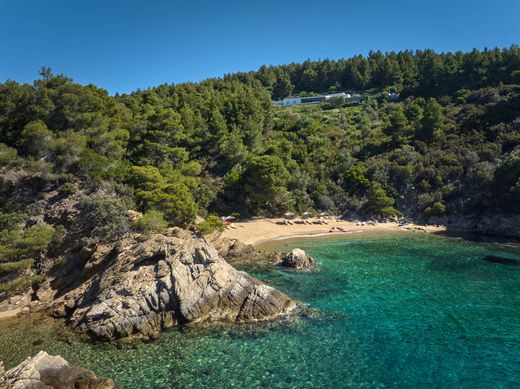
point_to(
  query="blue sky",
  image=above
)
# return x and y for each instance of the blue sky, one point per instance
(122, 45)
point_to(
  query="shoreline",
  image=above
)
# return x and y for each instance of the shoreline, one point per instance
(257, 232)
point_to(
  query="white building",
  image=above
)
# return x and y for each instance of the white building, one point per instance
(349, 98)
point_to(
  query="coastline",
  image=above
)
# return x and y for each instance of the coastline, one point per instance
(257, 232)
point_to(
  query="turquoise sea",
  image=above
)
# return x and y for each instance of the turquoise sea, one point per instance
(393, 311)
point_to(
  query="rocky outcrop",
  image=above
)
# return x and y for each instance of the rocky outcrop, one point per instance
(298, 259)
(45, 371)
(497, 225)
(231, 248)
(133, 284)
(500, 225)
(136, 287)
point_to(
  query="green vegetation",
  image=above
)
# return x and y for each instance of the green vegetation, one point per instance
(19, 245)
(6, 267)
(19, 249)
(211, 224)
(107, 216)
(20, 283)
(448, 148)
(152, 222)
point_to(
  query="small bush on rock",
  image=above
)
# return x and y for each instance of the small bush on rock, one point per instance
(152, 222)
(211, 224)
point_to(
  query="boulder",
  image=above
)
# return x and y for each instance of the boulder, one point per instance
(45, 371)
(139, 287)
(134, 215)
(298, 259)
(231, 248)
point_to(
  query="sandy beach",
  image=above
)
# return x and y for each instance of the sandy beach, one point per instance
(257, 231)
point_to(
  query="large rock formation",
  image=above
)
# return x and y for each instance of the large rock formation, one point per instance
(126, 283)
(136, 287)
(45, 371)
(298, 259)
(231, 248)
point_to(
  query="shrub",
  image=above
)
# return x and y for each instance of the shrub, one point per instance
(152, 222)
(35, 240)
(17, 245)
(12, 266)
(8, 156)
(437, 209)
(11, 220)
(20, 283)
(67, 189)
(211, 224)
(107, 215)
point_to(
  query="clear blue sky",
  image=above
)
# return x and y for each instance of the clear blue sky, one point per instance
(122, 45)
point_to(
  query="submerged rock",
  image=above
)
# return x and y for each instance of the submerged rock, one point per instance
(298, 259)
(142, 287)
(44, 371)
(501, 260)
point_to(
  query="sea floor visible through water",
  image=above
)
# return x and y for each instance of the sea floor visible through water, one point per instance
(395, 311)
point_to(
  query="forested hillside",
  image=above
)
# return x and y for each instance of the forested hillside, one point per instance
(449, 148)
(423, 73)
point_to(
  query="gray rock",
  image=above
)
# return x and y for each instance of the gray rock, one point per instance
(231, 248)
(500, 225)
(298, 259)
(44, 371)
(143, 287)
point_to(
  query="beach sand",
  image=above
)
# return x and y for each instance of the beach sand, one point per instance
(257, 231)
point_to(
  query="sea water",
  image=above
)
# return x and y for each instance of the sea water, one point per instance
(393, 311)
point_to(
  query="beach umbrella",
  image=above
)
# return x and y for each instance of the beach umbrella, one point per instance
(288, 214)
(306, 214)
(230, 218)
(324, 214)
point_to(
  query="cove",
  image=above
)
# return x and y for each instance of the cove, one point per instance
(399, 311)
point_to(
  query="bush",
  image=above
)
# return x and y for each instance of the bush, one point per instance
(67, 189)
(18, 246)
(11, 220)
(20, 283)
(211, 224)
(437, 209)
(8, 156)
(12, 266)
(107, 215)
(152, 222)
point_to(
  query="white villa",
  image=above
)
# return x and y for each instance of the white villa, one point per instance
(349, 98)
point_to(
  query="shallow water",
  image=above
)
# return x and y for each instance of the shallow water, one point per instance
(399, 311)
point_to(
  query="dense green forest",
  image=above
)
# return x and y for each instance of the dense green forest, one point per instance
(450, 147)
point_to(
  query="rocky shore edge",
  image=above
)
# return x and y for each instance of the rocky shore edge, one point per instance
(44, 371)
(136, 285)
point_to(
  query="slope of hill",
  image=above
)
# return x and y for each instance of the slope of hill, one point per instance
(447, 152)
